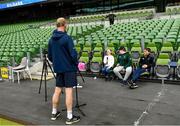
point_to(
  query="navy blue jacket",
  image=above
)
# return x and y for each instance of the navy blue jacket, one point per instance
(62, 53)
(146, 60)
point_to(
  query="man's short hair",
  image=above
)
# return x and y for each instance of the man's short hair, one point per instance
(148, 49)
(61, 22)
(122, 48)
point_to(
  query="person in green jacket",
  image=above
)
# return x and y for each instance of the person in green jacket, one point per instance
(124, 64)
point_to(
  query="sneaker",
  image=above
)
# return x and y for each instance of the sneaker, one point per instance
(78, 86)
(73, 120)
(110, 78)
(121, 81)
(129, 82)
(124, 83)
(133, 86)
(55, 116)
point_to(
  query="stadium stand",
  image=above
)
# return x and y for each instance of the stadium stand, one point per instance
(173, 10)
(31, 40)
(159, 35)
(91, 41)
(146, 13)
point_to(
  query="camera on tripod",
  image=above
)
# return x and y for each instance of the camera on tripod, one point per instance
(45, 51)
(46, 64)
(44, 54)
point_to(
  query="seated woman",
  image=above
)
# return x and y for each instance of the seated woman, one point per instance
(124, 64)
(108, 63)
(145, 64)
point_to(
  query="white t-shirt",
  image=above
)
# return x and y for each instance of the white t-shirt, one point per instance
(109, 61)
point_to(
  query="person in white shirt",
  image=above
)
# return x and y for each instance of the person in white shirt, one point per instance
(108, 62)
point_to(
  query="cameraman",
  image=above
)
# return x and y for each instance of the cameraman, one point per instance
(111, 17)
(62, 54)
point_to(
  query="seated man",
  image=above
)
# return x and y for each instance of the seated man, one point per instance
(145, 63)
(124, 64)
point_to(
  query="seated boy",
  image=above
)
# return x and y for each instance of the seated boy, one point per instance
(145, 64)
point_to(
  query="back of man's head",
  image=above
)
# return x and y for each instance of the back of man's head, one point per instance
(122, 48)
(61, 22)
(148, 49)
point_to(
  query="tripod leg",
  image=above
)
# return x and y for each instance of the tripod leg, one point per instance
(51, 69)
(77, 103)
(45, 83)
(41, 77)
(81, 76)
(81, 110)
(62, 92)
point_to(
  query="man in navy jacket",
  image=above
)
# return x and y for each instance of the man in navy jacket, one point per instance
(62, 54)
(145, 64)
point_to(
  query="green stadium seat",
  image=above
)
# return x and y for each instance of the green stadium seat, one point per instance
(162, 68)
(79, 47)
(136, 52)
(98, 47)
(32, 51)
(153, 47)
(84, 57)
(87, 47)
(19, 56)
(163, 56)
(96, 62)
(167, 48)
(158, 43)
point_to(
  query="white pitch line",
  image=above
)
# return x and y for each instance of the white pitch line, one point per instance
(156, 99)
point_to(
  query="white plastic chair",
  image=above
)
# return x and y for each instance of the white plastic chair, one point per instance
(23, 67)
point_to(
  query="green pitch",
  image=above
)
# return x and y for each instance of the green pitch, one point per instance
(4, 122)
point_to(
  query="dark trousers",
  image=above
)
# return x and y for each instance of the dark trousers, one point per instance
(137, 73)
(111, 22)
(105, 70)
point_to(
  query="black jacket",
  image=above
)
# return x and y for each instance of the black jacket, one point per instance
(111, 17)
(146, 61)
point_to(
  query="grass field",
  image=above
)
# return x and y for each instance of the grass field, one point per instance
(4, 122)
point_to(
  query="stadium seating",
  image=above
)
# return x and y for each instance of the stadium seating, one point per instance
(162, 65)
(119, 15)
(96, 62)
(159, 35)
(17, 40)
(85, 59)
(98, 47)
(173, 10)
(153, 47)
(136, 52)
(91, 41)
(167, 48)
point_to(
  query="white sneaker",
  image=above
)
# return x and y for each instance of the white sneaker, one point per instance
(78, 86)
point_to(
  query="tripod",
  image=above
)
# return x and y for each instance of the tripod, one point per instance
(45, 71)
(77, 106)
(46, 64)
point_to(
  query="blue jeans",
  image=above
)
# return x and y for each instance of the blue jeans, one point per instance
(137, 73)
(105, 70)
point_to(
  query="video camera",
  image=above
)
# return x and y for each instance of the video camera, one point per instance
(45, 51)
